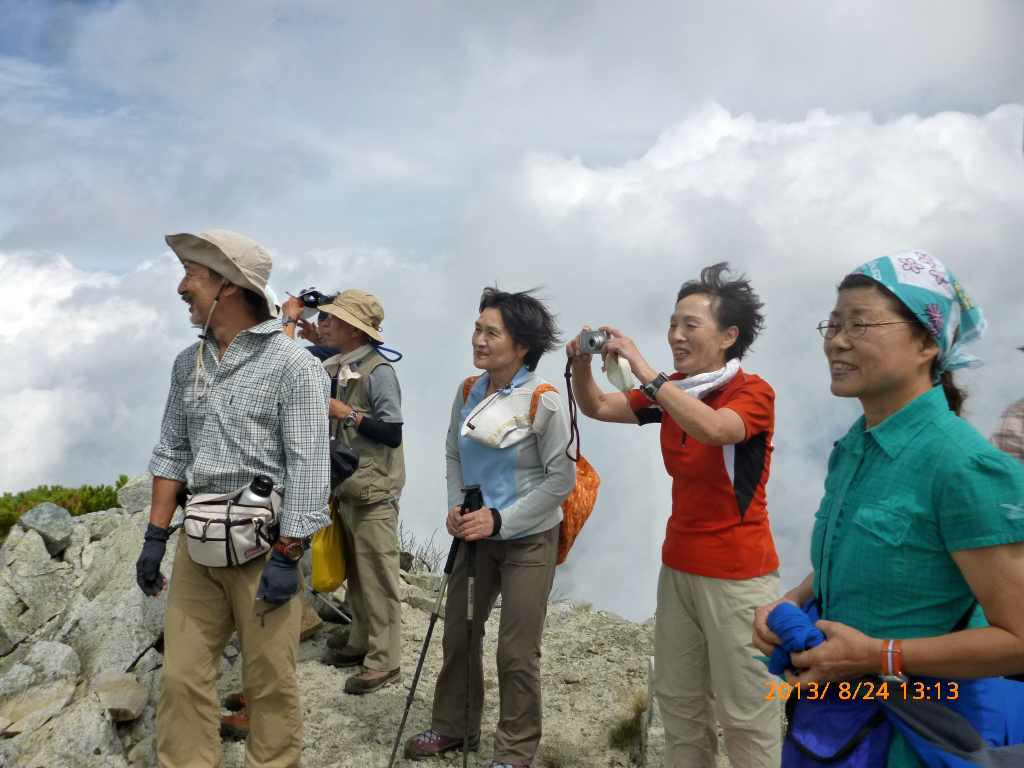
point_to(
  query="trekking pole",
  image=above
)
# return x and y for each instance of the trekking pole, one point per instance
(449, 564)
(448, 567)
(473, 501)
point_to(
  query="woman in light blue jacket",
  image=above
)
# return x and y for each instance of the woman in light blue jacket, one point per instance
(519, 460)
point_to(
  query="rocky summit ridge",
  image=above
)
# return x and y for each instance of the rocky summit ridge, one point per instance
(80, 660)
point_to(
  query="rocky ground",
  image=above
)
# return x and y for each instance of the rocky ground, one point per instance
(80, 658)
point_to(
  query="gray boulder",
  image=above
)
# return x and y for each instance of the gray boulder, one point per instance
(31, 708)
(137, 494)
(111, 622)
(143, 754)
(73, 554)
(17, 679)
(15, 535)
(11, 609)
(51, 522)
(53, 661)
(101, 524)
(80, 737)
(120, 695)
(42, 584)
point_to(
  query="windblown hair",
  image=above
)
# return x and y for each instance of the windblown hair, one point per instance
(733, 303)
(255, 301)
(528, 321)
(955, 395)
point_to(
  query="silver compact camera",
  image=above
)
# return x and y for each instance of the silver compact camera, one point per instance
(591, 342)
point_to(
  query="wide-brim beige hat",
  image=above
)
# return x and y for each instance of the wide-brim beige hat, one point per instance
(360, 309)
(242, 261)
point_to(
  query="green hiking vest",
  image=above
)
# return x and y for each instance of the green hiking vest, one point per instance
(381, 472)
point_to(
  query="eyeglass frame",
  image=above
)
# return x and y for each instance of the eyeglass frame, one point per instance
(824, 325)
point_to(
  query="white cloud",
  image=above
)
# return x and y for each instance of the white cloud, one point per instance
(796, 204)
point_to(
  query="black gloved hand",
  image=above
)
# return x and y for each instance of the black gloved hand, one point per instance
(280, 579)
(147, 569)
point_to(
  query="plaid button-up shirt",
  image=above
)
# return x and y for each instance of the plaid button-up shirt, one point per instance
(264, 413)
(1009, 435)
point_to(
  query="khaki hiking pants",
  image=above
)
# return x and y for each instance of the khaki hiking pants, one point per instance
(370, 542)
(704, 667)
(203, 607)
(521, 570)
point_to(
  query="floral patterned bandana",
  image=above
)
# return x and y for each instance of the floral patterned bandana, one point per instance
(932, 293)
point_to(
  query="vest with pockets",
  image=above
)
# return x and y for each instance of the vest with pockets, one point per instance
(381, 472)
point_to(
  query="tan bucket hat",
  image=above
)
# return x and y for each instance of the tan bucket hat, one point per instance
(360, 309)
(242, 261)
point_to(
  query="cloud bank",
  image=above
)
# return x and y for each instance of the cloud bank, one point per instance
(85, 353)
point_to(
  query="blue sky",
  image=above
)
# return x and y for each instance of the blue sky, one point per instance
(422, 150)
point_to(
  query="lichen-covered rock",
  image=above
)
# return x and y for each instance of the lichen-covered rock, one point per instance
(101, 524)
(53, 661)
(32, 707)
(15, 535)
(12, 631)
(51, 522)
(80, 737)
(15, 680)
(151, 659)
(40, 582)
(143, 754)
(137, 493)
(73, 554)
(112, 623)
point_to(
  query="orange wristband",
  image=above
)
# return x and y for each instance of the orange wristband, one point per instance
(892, 658)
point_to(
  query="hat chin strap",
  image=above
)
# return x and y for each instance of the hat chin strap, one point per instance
(200, 364)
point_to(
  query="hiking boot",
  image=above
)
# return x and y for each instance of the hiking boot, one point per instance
(344, 657)
(338, 640)
(234, 702)
(431, 744)
(235, 726)
(370, 680)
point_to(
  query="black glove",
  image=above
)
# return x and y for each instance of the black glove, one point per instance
(280, 579)
(147, 569)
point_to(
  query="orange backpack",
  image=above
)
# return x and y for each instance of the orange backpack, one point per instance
(577, 508)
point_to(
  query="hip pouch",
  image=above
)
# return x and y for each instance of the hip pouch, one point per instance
(222, 532)
(851, 733)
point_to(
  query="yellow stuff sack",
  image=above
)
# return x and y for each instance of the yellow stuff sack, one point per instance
(328, 557)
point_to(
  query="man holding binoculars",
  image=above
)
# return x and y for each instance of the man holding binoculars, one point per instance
(365, 414)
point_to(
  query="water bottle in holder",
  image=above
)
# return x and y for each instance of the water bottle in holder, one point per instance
(258, 493)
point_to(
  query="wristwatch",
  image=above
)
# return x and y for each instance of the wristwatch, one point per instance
(292, 551)
(285, 320)
(651, 390)
(351, 419)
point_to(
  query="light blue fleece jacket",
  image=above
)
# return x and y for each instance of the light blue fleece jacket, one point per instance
(526, 482)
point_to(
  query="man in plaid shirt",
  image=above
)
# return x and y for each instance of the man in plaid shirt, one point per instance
(245, 400)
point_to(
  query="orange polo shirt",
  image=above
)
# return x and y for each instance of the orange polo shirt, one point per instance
(719, 523)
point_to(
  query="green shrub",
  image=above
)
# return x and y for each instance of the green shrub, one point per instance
(77, 501)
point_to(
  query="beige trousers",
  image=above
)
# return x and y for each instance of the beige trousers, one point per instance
(521, 571)
(704, 667)
(204, 606)
(370, 540)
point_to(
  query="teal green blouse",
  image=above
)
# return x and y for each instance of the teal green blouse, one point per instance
(898, 499)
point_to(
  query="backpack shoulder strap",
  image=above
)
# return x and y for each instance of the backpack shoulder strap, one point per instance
(536, 398)
(467, 385)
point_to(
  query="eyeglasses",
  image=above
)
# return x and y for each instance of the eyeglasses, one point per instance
(853, 328)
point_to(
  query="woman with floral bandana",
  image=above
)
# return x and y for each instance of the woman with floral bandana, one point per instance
(920, 534)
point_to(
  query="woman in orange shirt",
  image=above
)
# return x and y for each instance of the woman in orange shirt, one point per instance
(718, 560)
